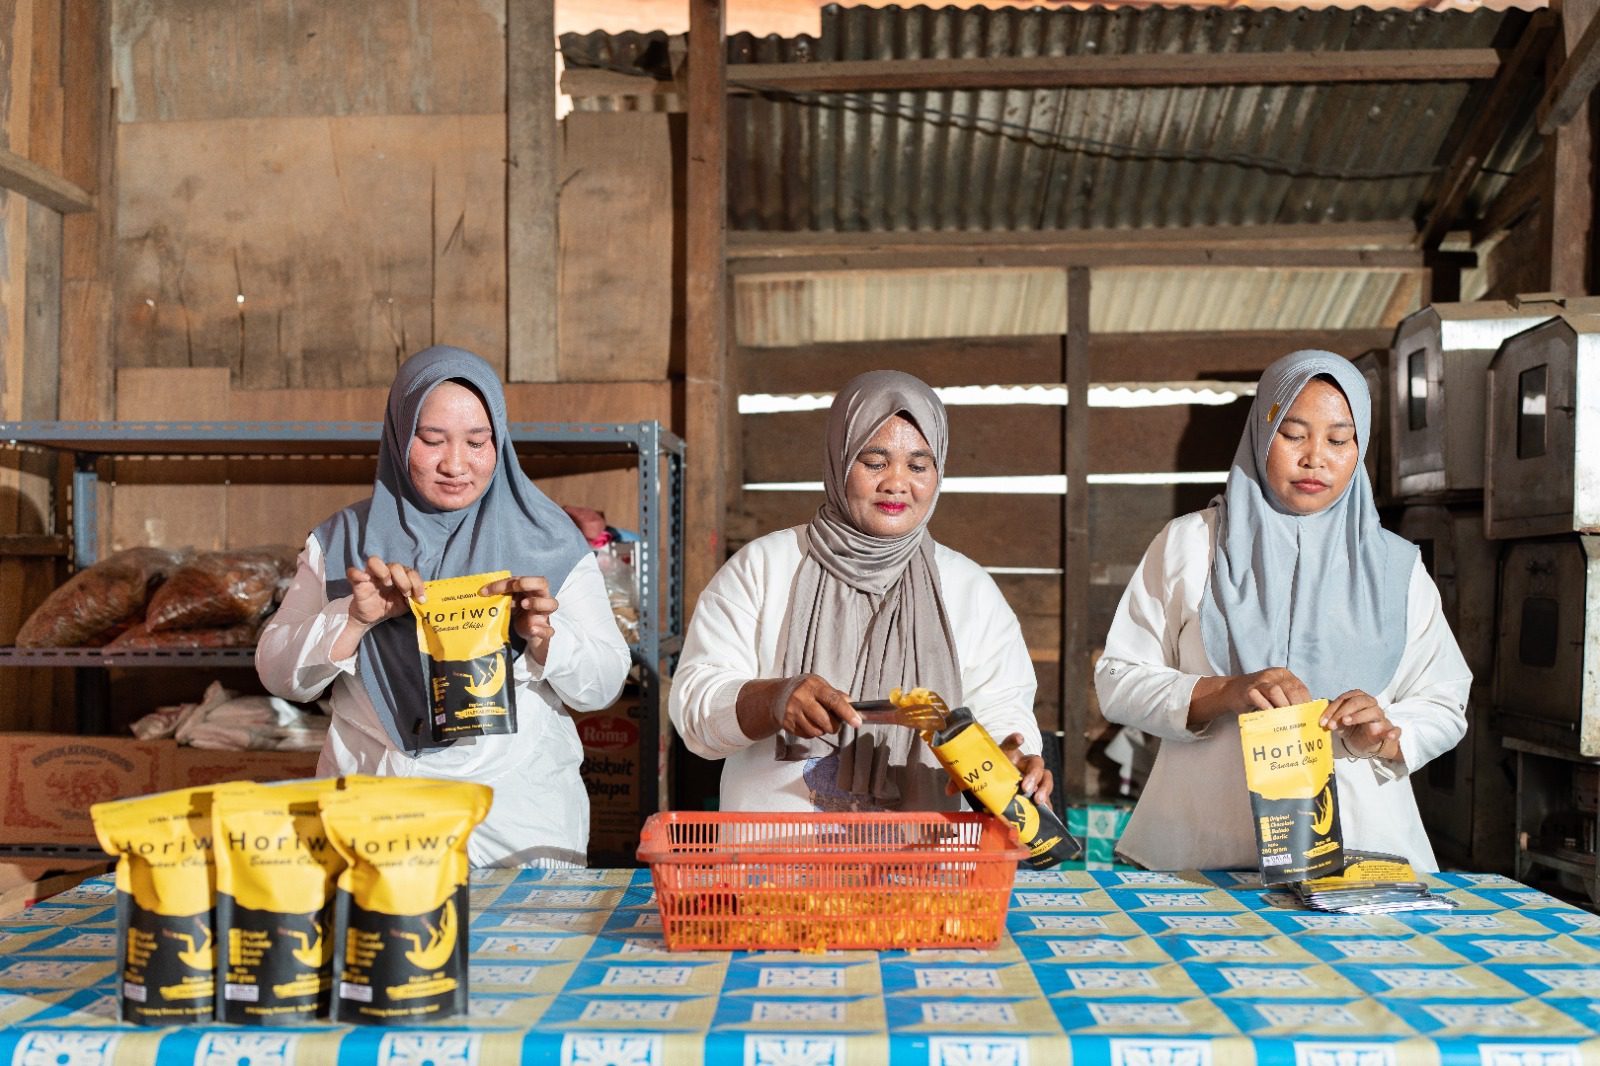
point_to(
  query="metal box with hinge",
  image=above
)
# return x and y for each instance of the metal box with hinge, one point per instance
(1547, 644)
(1543, 440)
(1439, 353)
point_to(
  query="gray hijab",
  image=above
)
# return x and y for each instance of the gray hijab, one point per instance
(1322, 594)
(512, 526)
(866, 613)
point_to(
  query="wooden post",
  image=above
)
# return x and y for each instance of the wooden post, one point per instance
(1568, 206)
(1075, 679)
(707, 396)
(533, 265)
(89, 239)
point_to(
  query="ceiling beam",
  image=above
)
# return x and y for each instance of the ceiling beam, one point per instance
(1573, 83)
(1520, 196)
(1119, 71)
(1491, 122)
(29, 179)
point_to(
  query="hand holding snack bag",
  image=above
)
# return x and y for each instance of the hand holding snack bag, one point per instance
(465, 638)
(533, 604)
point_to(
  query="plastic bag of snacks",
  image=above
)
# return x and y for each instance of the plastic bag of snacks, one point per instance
(140, 638)
(1288, 768)
(275, 877)
(217, 589)
(166, 953)
(465, 640)
(98, 602)
(402, 905)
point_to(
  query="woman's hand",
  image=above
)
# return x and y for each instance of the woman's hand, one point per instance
(1037, 783)
(1364, 726)
(379, 592)
(531, 608)
(1214, 697)
(806, 706)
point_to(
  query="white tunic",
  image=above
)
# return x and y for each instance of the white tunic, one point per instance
(540, 813)
(733, 638)
(1194, 812)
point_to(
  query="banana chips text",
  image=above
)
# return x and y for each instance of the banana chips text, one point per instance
(465, 640)
(1288, 768)
(280, 904)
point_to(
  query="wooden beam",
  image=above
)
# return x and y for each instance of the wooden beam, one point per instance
(1573, 83)
(42, 545)
(1520, 196)
(1568, 202)
(708, 398)
(532, 236)
(1120, 71)
(29, 179)
(979, 257)
(763, 244)
(1490, 124)
(1076, 559)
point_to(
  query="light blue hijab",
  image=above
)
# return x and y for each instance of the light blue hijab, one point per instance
(1322, 594)
(512, 526)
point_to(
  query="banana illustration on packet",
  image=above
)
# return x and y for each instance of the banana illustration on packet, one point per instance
(400, 953)
(1288, 768)
(465, 639)
(165, 883)
(275, 877)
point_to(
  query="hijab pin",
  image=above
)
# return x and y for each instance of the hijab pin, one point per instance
(1273, 413)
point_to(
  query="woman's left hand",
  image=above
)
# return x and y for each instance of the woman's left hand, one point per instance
(1037, 783)
(1367, 731)
(531, 607)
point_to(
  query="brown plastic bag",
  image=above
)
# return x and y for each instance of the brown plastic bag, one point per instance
(139, 638)
(220, 589)
(99, 602)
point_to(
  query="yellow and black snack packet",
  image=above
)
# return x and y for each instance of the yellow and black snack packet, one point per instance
(991, 783)
(1288, 768)
(401, 906)
(275, 877)
(465, 640)
(165, 891)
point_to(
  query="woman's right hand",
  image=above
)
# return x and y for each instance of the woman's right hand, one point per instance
(1213, 697)
(379, 592)
(806, 706)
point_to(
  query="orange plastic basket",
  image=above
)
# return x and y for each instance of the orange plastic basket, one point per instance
(815, 882)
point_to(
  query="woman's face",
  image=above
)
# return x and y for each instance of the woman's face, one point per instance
(1315, 451)
(892, 482)
(452, 455)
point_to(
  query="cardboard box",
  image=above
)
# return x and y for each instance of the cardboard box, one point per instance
(613, 772)
(49, 781)
(24, 883)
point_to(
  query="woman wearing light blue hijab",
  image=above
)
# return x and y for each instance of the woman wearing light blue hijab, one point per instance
(450, 500)
(1285, 589)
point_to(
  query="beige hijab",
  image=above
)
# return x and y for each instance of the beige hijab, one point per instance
(866, 613)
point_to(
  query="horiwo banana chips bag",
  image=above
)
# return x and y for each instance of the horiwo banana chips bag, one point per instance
(275, 876)
(1288, 768)
(165, 879)
(401, 906)
(466, 640)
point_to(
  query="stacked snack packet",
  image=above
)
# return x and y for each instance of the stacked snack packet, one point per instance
(1370, 883)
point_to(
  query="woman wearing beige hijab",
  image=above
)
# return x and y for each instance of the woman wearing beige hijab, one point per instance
(858, 601)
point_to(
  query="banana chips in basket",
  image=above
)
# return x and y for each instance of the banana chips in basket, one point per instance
(280, 904)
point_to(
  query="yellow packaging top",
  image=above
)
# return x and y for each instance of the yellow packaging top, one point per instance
(1286, 750)
(404, 857)
(272, 852)
(163, 845)
(457, 624)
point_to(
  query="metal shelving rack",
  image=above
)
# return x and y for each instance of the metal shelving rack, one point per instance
(658, 558)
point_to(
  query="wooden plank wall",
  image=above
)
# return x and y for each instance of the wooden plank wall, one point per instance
(52, 83)
(1025, 530)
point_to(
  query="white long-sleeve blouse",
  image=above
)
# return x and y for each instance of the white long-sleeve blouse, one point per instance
(540, 813)
(733, 638)
(1194, 812)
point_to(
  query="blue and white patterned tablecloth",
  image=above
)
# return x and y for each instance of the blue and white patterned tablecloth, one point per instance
(1099, 968)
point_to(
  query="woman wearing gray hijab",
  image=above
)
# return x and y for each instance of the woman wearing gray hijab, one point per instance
(1285, 589)
(450, 500)
(857, 602)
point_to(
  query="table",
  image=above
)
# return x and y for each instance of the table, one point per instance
(1105, 968)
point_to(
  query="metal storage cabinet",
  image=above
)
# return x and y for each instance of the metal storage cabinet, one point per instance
(1442, 351)
(1543, 446)
(658, 562)
(1374, 366)
(1466, 795)
(1547, 666)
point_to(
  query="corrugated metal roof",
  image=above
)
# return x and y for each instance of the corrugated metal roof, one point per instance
(1092, 158)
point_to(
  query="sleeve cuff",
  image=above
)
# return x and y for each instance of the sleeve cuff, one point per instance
(722, 723)
(1177, 707)
(337, 614)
